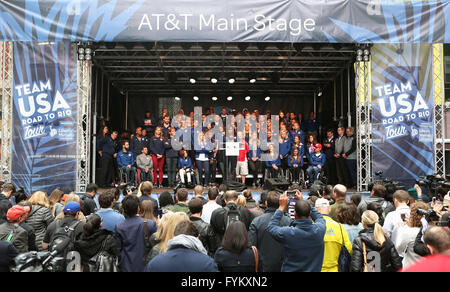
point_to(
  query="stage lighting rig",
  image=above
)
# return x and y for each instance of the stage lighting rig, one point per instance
(363, 53)
(85, 51)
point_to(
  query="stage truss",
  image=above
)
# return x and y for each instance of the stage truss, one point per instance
(439, 110)
(363, 125)
(84, 90)
(84, 68)
(6, 83)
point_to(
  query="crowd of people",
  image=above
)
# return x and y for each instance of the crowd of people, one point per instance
(218, 229)
(270, 146)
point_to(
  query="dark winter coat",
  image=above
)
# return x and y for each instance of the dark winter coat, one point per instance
(271, 251)
(205, 233)
(130, 239)
(390, 261)
(39, 219)
(219, 219)
(89, 246)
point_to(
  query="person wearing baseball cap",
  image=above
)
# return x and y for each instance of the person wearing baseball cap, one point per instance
(71, 211)
(12, 232)
(316, 163)
(335, 237)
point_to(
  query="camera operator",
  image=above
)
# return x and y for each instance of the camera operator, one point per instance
(437, 243)
(439, 217)
(377, 195)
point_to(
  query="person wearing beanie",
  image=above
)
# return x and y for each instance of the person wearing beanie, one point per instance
(372, 238)
(413, 193)
(12, 232)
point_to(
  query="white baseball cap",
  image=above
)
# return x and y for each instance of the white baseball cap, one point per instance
(322, 203)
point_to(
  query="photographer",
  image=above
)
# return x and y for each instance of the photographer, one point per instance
(377, 195)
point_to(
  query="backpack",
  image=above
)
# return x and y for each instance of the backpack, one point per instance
(103, 261)
(62, 234)
(232, 214)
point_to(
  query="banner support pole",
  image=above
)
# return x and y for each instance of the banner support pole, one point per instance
(6, 89)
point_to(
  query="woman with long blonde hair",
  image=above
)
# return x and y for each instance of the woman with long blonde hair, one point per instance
(40, 216)
(55, 199)
(165, 232)
(373, 245)
(146, 210)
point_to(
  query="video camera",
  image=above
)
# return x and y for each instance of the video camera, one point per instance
(126, 188)
(391, 185)
(430, 215)
(435, 184)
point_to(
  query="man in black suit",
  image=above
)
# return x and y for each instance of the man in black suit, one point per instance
(341, 168)
(330, 164)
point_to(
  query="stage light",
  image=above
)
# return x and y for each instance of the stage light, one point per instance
(192, 80)
(231, 80)
(320, 93)
(267, 98)
(247, 98)
(252, 80)
(85, 51)
(229, 98)
(359, 58)
(177, 98)
(214, 80)
(366, 52)
(366, 58)
(214, 98)
(196, 98)
(359, 52)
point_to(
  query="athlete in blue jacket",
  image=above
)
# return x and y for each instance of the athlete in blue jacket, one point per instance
(125, 160)
(316, 163)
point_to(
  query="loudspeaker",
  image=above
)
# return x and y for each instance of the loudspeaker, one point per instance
(273, 184)
(235, 186)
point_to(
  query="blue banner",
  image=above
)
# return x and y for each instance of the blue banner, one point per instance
(402, 111)
(44, 116)
(344, 21)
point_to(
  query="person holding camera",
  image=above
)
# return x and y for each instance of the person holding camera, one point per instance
(303, 240)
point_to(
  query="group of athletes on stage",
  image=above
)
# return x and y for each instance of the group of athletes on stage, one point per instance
(289, 148)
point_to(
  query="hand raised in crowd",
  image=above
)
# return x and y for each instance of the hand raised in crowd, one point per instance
(284, 201)
(419, 190)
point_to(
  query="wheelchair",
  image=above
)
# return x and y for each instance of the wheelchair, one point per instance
(290, 176)
(194, 177)
(139, 177)
(123, 176)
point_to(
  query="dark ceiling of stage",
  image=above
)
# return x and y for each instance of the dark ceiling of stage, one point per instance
(164, 69)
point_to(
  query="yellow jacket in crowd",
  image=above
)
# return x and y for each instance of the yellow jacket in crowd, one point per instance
(334, 235)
